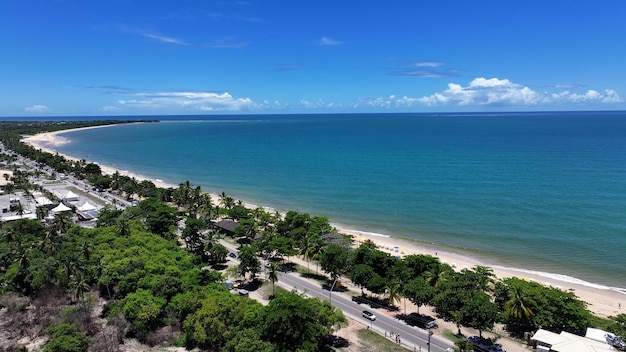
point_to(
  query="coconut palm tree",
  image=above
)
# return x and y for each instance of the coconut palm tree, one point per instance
(123, 227)
(193, 203)
(50, 243)
(41, 212)
(485, 278)
(61, 223)
(205, 206)
(227, 201)
(272, 275)
(393, 292)
(79, 286)
(436, 275)
(182, 195)
(310, 245)
(518, 304)
(19, 209)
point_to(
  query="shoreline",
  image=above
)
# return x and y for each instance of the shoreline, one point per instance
(602, 300)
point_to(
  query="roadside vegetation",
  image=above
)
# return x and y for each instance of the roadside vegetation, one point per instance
(53, 274)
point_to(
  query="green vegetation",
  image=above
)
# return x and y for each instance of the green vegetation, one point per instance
(66, 338)
(134, 261)
(373, 342)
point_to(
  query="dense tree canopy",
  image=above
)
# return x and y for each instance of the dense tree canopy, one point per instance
(296, 323)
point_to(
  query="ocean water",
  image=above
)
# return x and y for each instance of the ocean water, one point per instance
(540, 191)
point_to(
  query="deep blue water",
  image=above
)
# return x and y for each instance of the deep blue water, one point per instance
(542, 191)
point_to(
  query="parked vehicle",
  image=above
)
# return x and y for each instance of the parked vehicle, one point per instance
(421, 321)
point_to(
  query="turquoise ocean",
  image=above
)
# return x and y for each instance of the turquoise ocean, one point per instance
(545, 192)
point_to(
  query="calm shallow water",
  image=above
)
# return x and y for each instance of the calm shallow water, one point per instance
(541, 191)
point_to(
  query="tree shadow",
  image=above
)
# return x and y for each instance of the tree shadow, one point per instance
(287, 267)
(219, 266)
(330, 342)
(375, 302)
(252, 285)
(318, 277)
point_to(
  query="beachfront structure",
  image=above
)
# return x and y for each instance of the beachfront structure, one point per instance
(87, 212)
(86, 207)
(226, 227)
(70, 197)
(41, 200)
(61, 208)
(547, 341)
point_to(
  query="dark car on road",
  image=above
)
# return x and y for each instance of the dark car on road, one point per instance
(421, 321)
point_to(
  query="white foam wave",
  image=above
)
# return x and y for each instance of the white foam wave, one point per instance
(564, 279)
(356, 232)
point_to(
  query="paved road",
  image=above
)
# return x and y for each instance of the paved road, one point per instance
(411, 337)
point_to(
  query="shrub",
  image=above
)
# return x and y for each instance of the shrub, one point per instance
(66, 338)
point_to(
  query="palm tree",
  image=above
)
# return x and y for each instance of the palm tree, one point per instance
(310, 245)
(205, 206)
(23, 256)
(227, 201)
(435, 275)
(19, 209)
(518, 304)
(180, 195)
(79, 287)
(85, 248)
(277, 216)
(485, 278)
(193, 203)
(41, 212)
(393, 292)
(61, 223)
(122, 227)
(272, 275)
(50, 243)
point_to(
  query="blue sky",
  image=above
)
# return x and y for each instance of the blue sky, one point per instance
(127, 57)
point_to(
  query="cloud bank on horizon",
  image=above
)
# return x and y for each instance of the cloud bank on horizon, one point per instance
(259, 57)
(488, 93)
(481, 92)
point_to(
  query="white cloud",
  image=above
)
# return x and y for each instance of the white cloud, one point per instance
(37, 109)
(151, 35)
(188, 100)
(161, 38)
(429, 64)
(318, 104)
(500, 92)
(495, 92)
(611, 96)
(109, 108)
(325, 41)
(481, 82)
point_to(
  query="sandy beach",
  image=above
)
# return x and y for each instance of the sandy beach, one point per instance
(602, 301)
(47, 142)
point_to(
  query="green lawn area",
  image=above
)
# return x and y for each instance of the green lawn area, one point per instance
(373, 342)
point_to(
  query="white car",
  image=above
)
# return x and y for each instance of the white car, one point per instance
(369, 315)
